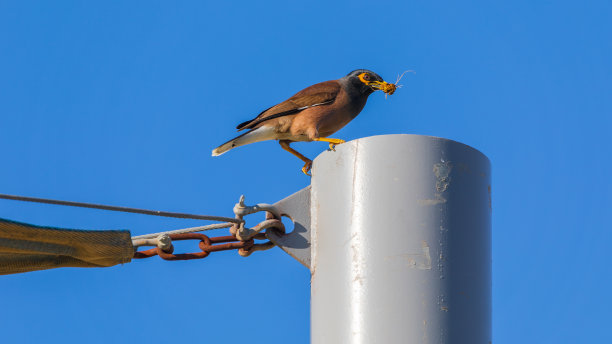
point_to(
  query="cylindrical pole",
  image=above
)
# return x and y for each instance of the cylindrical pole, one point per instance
(401, 242)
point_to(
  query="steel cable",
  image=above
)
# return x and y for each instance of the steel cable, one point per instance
(185, 230)
(122, 209)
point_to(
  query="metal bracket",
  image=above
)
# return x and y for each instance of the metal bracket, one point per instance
(297, 242)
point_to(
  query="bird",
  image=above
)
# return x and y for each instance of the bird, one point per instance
(312, 114)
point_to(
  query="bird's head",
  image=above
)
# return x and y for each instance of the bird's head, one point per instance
(367, 82)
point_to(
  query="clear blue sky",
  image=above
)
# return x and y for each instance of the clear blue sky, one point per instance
(121, 103)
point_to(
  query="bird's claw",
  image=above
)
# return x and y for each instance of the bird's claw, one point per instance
(306, 168)
(332, 145)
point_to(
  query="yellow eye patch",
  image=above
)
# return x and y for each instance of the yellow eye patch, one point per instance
(363, 79)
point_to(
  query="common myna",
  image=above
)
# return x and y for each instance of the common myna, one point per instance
(313, 114)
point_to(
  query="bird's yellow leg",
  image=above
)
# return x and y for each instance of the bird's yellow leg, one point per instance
(308, 162)
(332, 142)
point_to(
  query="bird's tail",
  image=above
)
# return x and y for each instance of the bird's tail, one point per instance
(255, 135)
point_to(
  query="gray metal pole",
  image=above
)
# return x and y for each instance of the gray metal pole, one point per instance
(401, 242)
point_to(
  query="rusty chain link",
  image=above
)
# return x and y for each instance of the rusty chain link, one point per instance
(241, 238)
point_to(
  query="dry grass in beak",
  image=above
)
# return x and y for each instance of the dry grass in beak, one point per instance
(389, 89)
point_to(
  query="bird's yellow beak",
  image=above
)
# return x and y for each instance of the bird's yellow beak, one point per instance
(383, 86)
(378, 85)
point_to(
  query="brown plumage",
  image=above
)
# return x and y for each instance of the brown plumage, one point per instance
(312, 114)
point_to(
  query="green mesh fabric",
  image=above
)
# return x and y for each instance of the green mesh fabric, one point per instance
(25, 247)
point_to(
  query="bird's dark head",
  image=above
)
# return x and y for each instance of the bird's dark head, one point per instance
(367, 82)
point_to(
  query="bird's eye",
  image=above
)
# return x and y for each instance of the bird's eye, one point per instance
(366, 77)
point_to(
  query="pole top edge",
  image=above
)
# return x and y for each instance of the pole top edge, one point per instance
(417, 136)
